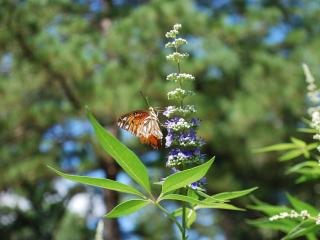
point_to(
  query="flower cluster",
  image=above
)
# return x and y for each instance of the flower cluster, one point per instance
(304, 214)
(184, 111)
(314, 98)
(179, 77)
(181, 139)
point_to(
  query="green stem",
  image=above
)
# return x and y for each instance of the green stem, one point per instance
(171, 217)
(180, 83)
(184, 224)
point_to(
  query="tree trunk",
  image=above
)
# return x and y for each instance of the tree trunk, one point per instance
(111, 198)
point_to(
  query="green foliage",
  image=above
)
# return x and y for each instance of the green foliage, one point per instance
(294, 228)
(177, 181)
(68, 54)
(231, 195)
(186, 177)
(129, 161)
(127, 208)
(293, 150)
(100, 182)
(303, 219)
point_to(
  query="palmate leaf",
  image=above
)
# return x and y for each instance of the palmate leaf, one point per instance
(185, 178)
(100, 182)
(128, 161)
(127, 207)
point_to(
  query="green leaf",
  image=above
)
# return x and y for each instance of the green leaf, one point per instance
(266, 208)
(183, 198)
(301, 229)
(300, 205)
(100, 182)
(186, 177)
(231, 195)
(307, 130)
(307, 165)
(276, 147)
(298, 142)
(177, 212)
(192, 193)
(312, 146)
(128, 161)
(191, 217)
(291, 155)
(284, 225)
(210, 197)
(127, 208)
(215, 205)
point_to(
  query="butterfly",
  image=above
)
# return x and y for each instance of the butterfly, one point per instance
(144, 124)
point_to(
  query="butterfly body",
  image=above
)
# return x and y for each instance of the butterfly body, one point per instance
(144, 124)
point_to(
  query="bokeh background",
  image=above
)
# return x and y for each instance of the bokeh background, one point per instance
(58, 56)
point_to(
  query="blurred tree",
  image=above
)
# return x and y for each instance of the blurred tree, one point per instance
(58, 56)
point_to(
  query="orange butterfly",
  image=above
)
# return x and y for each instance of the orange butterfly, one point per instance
(143, 124)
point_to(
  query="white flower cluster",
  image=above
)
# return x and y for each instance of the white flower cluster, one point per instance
(313, 91)
(314, 97)
(179, 111)
(179, 94)
(180, 77)
(173, 33)
(304, 214)
(176, 43)
(181, 124)
(318, 219)
(177, 57)
(315, 123)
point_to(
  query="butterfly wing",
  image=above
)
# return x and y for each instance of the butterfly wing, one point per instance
(143, 124)
(132, 121)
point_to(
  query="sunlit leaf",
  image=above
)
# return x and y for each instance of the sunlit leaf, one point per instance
(298, 142)
(291, 155)
(183, 198)
(191, 217)
(100, 182)
(128, 161)
(215, 205)
(185, 178)
(232, 195)
(127, 208)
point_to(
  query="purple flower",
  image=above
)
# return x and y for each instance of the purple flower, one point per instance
(195, 122)
(169, 138)
(199, 184)
(178, 157)
(168, 111)
(188, 136)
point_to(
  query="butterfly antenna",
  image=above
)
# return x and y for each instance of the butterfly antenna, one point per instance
(146, 99)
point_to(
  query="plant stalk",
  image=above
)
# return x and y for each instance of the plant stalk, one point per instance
(171, 217)
(184, 224)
